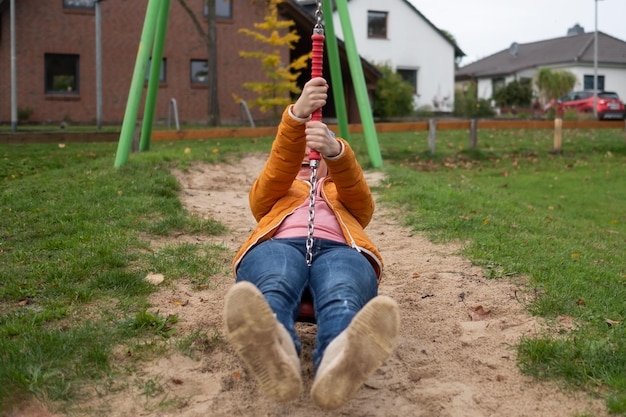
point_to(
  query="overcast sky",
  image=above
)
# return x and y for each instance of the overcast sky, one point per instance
(484, 27)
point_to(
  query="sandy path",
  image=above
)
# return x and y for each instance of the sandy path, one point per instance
(446, 364)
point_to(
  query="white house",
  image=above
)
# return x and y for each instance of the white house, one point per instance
(394, 32)
(574, 52)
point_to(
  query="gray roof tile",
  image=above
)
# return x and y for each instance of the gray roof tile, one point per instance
(566, 50)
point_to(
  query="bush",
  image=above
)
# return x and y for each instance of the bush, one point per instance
(467, 105)
(514, 94)
(24, 113)
(393, 96)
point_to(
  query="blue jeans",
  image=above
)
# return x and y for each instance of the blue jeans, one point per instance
(341, 281)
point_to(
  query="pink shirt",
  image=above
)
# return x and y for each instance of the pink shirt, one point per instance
(325, 223)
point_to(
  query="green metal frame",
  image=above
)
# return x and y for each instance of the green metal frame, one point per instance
(153, 34)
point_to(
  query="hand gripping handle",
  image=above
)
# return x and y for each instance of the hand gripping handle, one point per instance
(317, 63)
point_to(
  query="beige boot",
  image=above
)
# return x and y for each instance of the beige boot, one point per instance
(356, 353)
(262, 342)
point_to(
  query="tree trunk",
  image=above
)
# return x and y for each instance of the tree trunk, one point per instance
(210, 38)
(213, 105)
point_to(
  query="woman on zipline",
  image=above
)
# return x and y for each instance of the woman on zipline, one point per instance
(338, 265)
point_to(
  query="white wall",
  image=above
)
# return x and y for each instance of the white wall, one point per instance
(411, 44)
(614, 79)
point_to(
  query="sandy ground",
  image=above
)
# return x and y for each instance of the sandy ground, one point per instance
(451, 361)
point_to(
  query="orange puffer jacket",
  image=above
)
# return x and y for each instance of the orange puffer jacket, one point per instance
(276, 193)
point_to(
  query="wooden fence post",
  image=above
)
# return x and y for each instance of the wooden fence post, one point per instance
(558, 135)
(473, 139)
(432, 134)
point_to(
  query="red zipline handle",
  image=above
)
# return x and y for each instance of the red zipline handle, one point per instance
(317, 63)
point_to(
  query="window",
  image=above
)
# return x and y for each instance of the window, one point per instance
(161, 74)
(497, 84)
(588, 82)
(61, 74)
(223, 9)
(410, 76)
(78, 4)
(376, 24)
(199, 71)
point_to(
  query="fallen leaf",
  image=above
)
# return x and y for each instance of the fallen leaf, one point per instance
(177, 381)
(611, 323)
(154, 279)
(23, 302)
(566, 321)
(580, 302)
(416, 275)
(479, 313)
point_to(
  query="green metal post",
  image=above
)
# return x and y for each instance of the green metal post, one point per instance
(155, 72)
(136, 86)
(335, 70)
(358, 79)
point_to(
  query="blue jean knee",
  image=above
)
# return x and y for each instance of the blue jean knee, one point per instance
(341, 281)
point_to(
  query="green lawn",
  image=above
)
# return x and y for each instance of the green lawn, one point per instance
(73, 249)
(559, 219)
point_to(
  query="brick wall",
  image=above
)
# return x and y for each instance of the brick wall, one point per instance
(43, 26)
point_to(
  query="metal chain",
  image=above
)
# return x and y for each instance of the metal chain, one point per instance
(319, 18)
(311, 224)
(313, 163)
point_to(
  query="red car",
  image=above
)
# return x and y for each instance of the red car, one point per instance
(609, 104)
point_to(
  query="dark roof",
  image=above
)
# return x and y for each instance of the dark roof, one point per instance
(571, 49)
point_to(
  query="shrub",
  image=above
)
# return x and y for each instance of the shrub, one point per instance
(467, 105)
(516, 93)
(24, 113)
(393, 96)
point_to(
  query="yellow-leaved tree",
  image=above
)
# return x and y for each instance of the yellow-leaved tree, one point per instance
(274, 93)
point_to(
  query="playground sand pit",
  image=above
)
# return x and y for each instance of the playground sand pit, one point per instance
(455, 357)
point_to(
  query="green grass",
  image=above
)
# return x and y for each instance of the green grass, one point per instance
(74, 254)
(74, 249)
(521, 210)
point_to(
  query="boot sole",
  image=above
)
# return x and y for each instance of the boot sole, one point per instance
(371, 337)
(253, 332)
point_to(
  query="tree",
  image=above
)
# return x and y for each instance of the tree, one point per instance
(553, 84)
(210, 38)
(275, 93)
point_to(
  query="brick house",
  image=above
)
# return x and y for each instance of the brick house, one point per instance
(56, 62)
